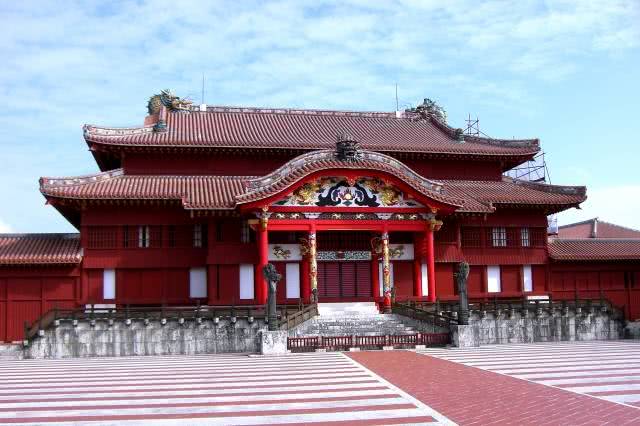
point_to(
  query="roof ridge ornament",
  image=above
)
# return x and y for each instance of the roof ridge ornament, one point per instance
(347, 148)
(430, 108)
(169, 100)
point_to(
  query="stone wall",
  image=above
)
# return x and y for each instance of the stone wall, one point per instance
(515, 326)
(170, 337)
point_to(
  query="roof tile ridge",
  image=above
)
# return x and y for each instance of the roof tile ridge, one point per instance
(40, 235)
(52, 182)
(584, 222)
(599, 240)
(296, 111)
(508, 143)
(554, 189)
(488, 204)
(618, 226)
(92, 129)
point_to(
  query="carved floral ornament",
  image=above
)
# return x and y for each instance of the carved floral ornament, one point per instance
(348, 192)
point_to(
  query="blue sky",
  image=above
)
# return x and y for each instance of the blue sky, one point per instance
(563, 71)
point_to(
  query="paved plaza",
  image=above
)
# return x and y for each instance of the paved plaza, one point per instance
(608, 370)
(581, 383)
(215, 389)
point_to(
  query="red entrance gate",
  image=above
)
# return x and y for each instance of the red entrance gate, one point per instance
(344, 280)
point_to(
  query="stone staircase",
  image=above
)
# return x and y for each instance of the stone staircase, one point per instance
(10, 351)
(347, 319)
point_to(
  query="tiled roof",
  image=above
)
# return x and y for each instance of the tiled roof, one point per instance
(224, 192)
(594, 249)
(26, 249)
(308, 130)
(306, 164)
(596, 228)
(482, 196)
(195, 192)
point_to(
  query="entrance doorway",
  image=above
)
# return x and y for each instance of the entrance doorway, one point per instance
(347, 280)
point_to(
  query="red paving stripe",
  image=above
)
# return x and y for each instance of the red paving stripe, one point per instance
(212, 388)
(231, 394)
(469, 395)
(208, 415)
(579, 385)
(199, 404)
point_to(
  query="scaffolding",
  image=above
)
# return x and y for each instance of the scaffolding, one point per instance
(534, 170)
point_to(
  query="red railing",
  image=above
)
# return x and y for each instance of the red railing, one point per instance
(308, 344)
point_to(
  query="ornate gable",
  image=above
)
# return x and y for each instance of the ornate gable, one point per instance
(348, 192)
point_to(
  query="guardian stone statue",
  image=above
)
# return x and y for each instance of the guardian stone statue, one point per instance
(461, 280)
(273, 277)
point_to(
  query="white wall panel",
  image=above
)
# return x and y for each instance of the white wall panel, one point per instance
(197, 283)
(493, 279)
(109, 284)
(246, 281)
(527, 278)
(293, 280)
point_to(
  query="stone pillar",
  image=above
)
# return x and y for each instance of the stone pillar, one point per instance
(263, 258)
(313, 266)
(386, 271)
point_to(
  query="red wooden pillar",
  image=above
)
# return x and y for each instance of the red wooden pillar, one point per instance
(431, 264)
(417, 265)
(306, 280)
(263, 259)
(375, 277)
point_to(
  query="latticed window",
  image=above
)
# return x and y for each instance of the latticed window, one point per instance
(471, 236)
(499, 237)
(447, 234)
(524, 237)
(102, 237)
(197, 235)
(171, 236)
(245, 232)
(144, 236)
(538, 237)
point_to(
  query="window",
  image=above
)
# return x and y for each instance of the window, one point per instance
(524, 237)
(109, 284)
(125, 236)
(493, 279)
(143, 236)
(197, 235)
(471, 237)
(245, 232)
(499, 237)
(527, 278)
(246, 281)
(197, 283)
(293, 280)
(171, 236)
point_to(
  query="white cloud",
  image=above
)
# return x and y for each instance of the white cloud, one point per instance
(4, 228)
(71, 63)
(615, 204)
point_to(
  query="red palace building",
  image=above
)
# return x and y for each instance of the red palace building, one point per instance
(349, 206)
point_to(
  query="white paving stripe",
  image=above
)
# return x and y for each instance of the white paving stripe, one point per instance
(262, 420)
(212, 389)
(582, 367)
